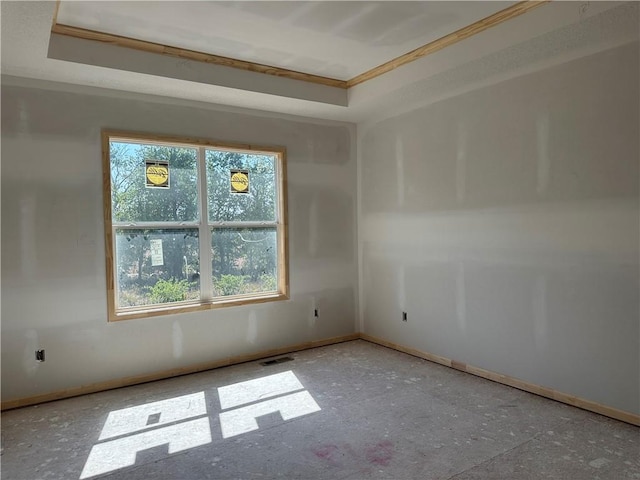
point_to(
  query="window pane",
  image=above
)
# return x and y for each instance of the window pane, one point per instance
(259, 201)
(244, 261)
(133, 201)
(157, 266)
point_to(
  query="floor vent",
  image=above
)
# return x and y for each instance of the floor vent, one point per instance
(276, 360)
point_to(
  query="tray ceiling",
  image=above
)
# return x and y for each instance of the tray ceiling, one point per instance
(34, 54)
(336, 39)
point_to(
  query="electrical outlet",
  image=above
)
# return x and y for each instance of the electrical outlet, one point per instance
(40, 355)
(404, 316)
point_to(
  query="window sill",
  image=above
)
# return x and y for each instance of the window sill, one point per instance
(155, 311)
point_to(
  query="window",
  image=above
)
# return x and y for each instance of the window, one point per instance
(192, 224)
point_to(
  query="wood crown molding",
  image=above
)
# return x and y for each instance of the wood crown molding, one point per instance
(55, 14)
(432, 47)
(448, 40)
(184, 53)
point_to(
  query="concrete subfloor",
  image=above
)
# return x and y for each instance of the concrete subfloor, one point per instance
(382, 414)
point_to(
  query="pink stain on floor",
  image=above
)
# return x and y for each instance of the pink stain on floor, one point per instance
(326, 452)
(380, 454)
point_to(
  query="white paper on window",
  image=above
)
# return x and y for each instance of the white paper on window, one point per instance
(157, 257)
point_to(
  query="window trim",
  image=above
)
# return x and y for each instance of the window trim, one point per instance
(115, 314)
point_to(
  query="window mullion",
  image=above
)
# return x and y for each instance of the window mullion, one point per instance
(242, 224)
(206, 274)
(114, 263)
(154, 225)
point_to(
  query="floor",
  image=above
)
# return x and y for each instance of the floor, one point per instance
(347, 411)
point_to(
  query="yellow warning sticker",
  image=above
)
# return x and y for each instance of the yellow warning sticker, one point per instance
(156, 174)
(239, 181)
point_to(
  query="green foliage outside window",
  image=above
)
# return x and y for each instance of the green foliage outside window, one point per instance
(169, 291)
(228, 285)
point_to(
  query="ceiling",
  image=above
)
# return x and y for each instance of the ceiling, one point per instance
(331, 39)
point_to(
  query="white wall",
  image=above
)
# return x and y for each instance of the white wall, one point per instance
(505, 222)
(504, 219)
(53, 269)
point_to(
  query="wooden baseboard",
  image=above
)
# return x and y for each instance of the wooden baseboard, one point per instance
(463, 367)
(572, 400)
(150, 377)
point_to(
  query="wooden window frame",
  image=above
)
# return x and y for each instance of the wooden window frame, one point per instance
(203, 224)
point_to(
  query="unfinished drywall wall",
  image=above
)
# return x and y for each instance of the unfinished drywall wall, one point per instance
(53, 267)
(505, 222)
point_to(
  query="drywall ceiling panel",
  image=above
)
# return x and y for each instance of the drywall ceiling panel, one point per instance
(332, 39)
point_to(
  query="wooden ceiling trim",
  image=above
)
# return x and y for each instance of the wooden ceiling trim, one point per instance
(432, 47)
(455, 37)
(152, 47)
(55, 13)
